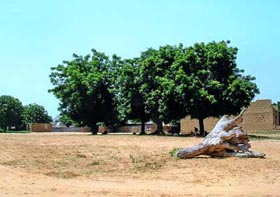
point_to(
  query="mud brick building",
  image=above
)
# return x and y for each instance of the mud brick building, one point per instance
(40, 127)
(261, 116)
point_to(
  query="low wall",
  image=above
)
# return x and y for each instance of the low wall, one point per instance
(70, 129)
(41, 127)
(149, 128)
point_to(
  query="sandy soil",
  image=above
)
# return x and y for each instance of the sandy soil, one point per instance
(126, 165)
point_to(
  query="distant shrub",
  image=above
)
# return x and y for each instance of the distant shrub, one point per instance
(174, 151)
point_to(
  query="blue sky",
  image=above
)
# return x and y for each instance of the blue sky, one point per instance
(36, 35)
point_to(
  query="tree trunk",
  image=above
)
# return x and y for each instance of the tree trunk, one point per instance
(201, 127)
(142, 132)
(225, 140)
(159, 128)
(94, 129)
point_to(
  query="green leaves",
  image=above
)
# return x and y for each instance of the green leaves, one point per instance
(159, 70)
(10, 112)
(34, 113)
(163, 84)
(219, 84)
(83, 87)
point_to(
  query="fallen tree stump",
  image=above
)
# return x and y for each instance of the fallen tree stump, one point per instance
(226, 139)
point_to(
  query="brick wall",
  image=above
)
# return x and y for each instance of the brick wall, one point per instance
(129, 128)
(70, 129)
(41, 127)
(189, 125)
(260, 116)
(149, 128)
(122, 129)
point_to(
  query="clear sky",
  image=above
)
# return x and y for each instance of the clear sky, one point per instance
(36, 35)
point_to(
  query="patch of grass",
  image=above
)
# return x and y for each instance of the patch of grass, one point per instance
(266, 133)
(14, 131)
(259, 137)
(93, 163)
(147, 162)
(83, 156)
(13, 163)
(61, 163)
(133, 158)
(62, 174)
(174, 151)
(147, 165)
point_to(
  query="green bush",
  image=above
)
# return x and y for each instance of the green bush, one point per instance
(174, 151)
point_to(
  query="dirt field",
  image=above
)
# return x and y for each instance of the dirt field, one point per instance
(52, 164)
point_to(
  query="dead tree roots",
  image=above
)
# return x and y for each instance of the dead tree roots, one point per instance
(226, 139)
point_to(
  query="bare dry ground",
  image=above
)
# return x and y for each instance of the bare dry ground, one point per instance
(52, 164)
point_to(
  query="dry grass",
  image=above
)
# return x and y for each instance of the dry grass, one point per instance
(71, 156)
(141, 159)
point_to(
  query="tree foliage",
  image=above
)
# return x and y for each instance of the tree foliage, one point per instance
(67, 121)
(157, 84)
(129, 101)
(217, 85)
(34, 113)
(83, 87)
(11, 110)
(163, 85)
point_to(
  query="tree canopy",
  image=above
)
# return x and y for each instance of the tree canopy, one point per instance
(163, 85)
(83, 87)
(129, 101)
(157, 73)
(34, 113)
(11, 110)
(218, 86)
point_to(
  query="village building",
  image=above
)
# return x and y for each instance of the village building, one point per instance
(261, 116)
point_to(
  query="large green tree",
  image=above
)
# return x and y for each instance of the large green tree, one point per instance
(34, 113)
(83, 87)
(157, 72)
(163, 85)
(11, 110)
(128, 99)
(216, 84)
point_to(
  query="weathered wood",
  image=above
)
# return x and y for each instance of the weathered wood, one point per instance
(226, 139)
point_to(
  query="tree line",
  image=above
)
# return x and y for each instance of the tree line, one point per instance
(13, 115)
(162, 85)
